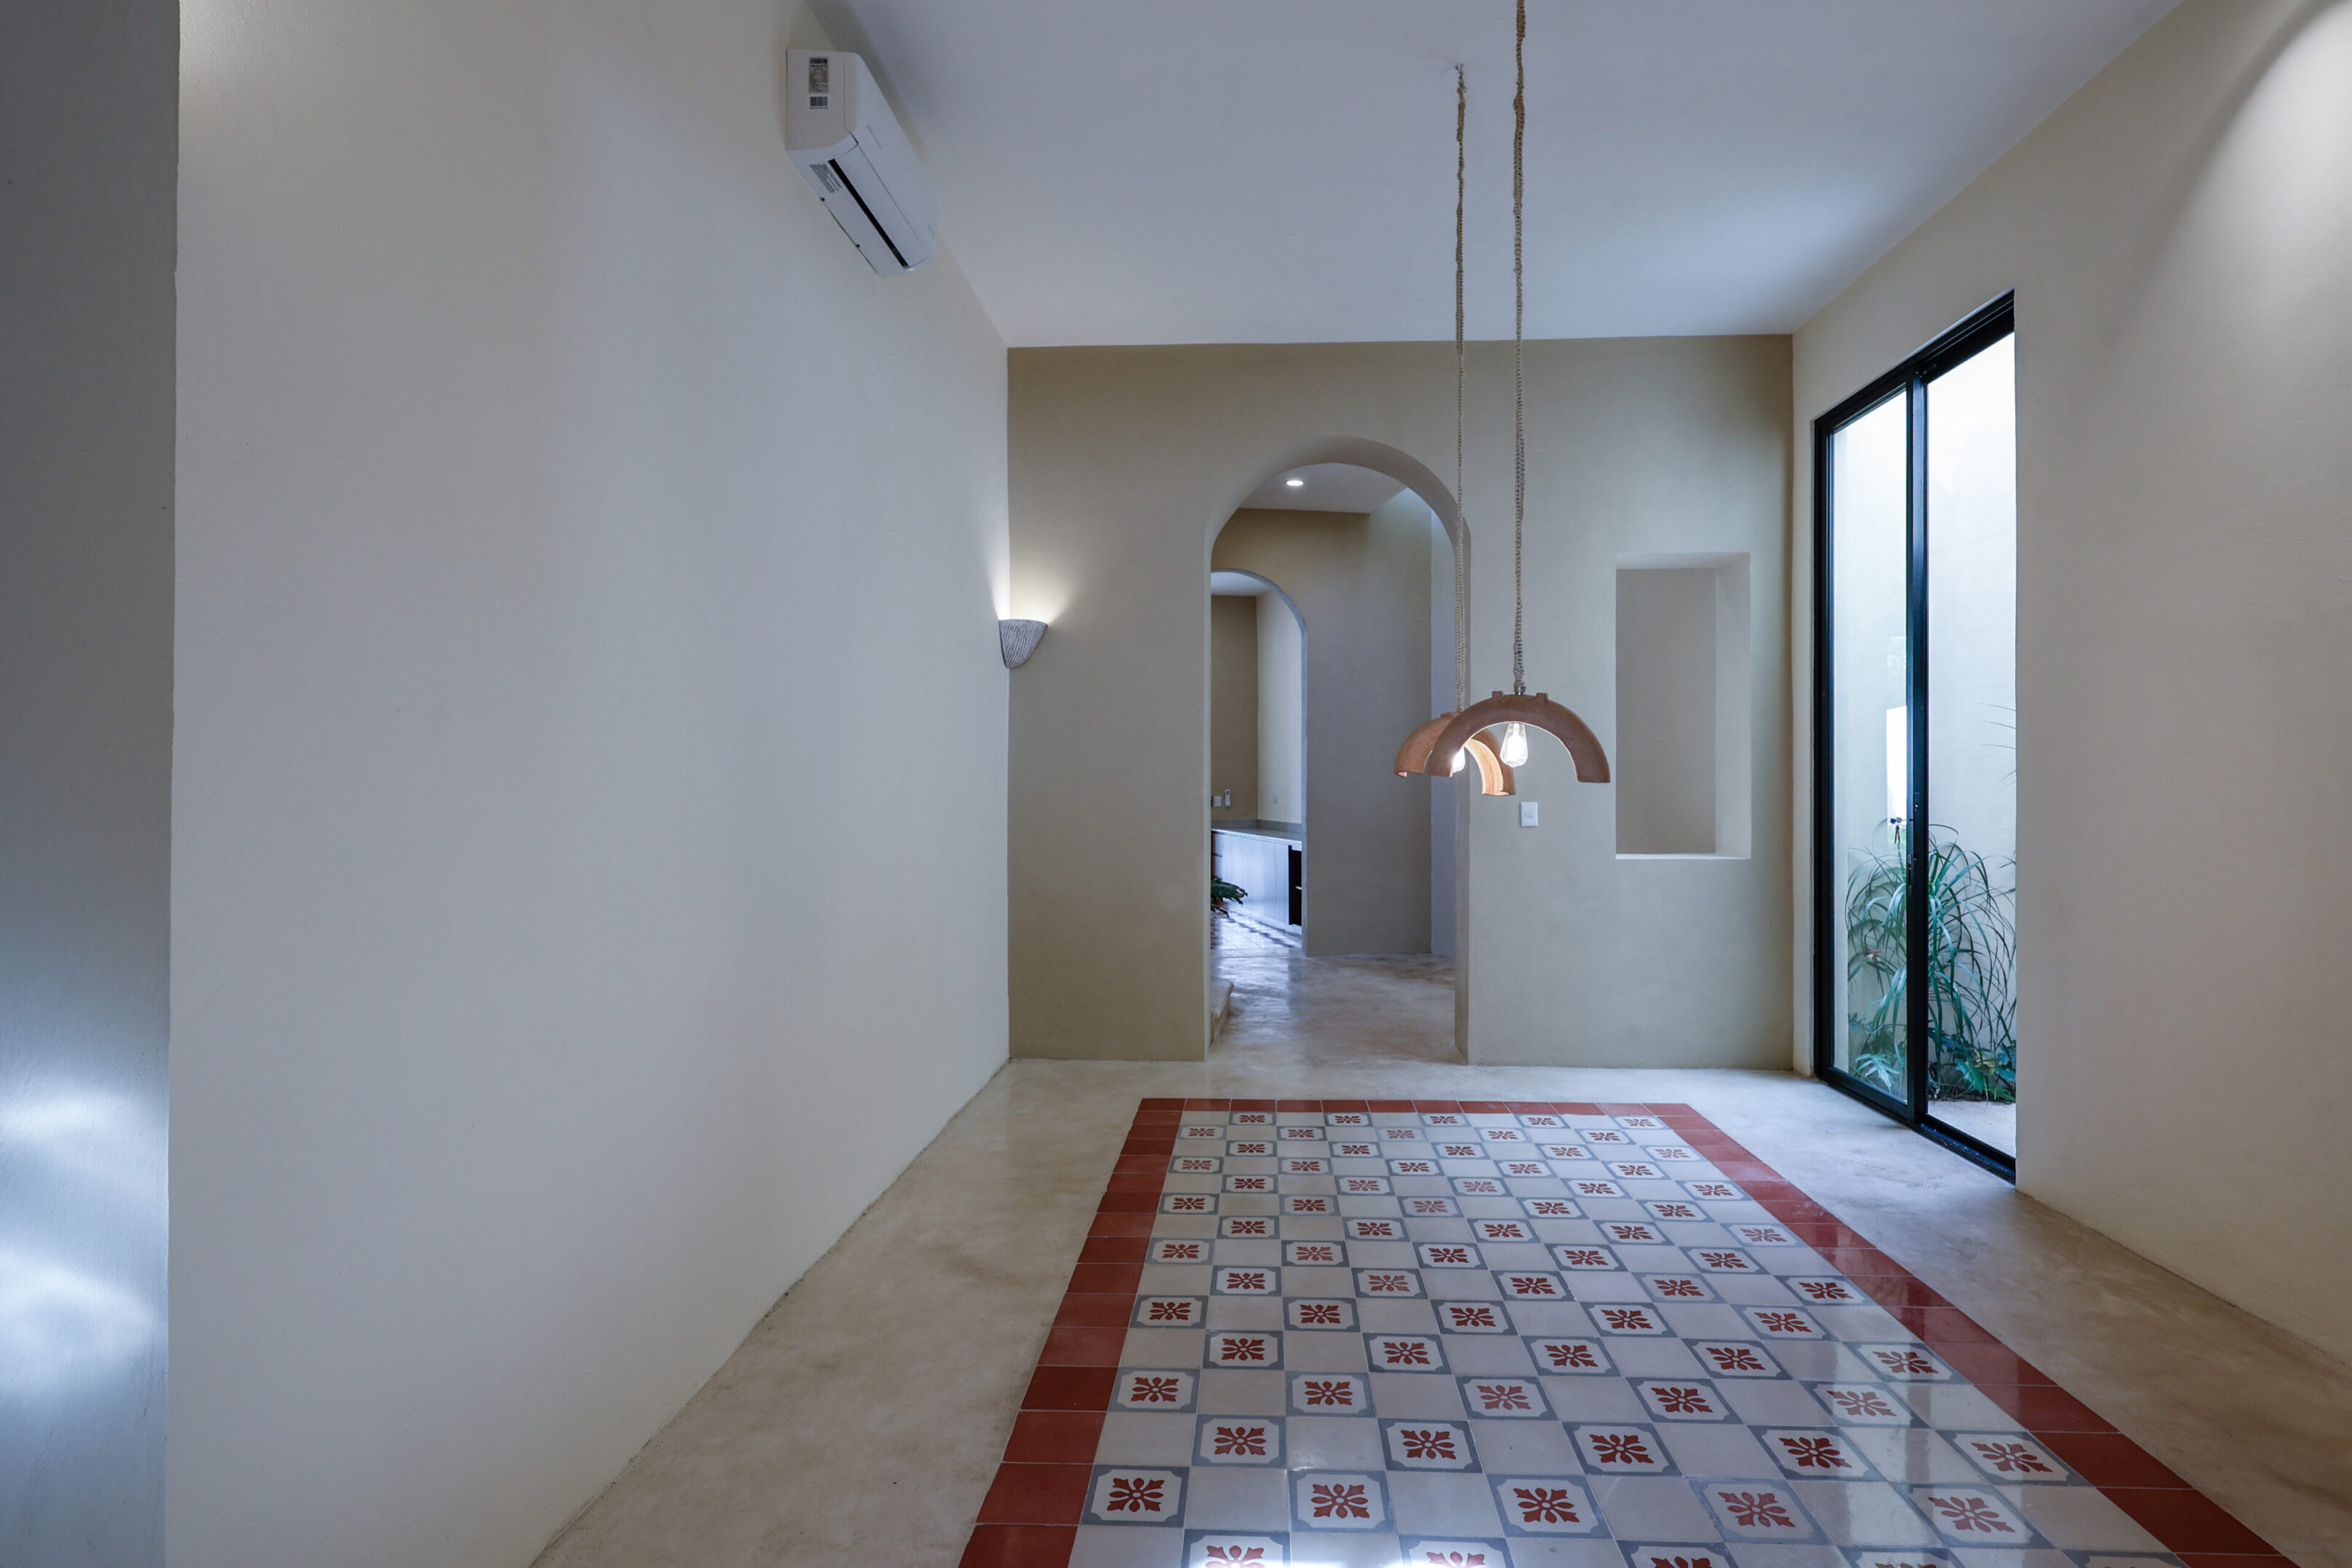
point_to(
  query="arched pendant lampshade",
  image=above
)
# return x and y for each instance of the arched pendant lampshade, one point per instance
(1418, 755)
(1437, 741)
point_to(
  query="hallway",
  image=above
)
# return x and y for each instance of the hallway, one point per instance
(863, 1419)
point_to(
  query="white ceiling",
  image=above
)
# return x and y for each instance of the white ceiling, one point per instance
(1324, 487)
(1282, 171)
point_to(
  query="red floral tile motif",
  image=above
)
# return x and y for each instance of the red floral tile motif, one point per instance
(1676, 1557)
(1340, 1500)
(1502, 1135)
(1605, 1449)
(1904, 1363)
(1238, 1442)
(1461, 1150)
(1855, 1402)
(1716, 1261)
(1355, 1151)
(1252, 1119)
(1303, 1167)
(1247, 1282)
(1682, 1401)
(1822, 1289)
(1568, 1355)
(1630, 1231)
(1670, 1151)
(1430, 1206)
(1297, 1132)
(1321, 1499)
(1530, 1287)
(1123, 1496)
(1427, 1446)
(1673, 1211)
(1169, 1312)
(1441, 1119)
(1374, 1230)
(1365, 1184)
(1180, 1252)
(1306, 1206)
(1452, 1558)
(1371, 1282)
(1477, 1186)
(1557, 1152)
(1205, 1133)
(1716, 1190)
(1245, 1224)
(1470, 1318)
(1734, 1359)
(1308, 1253)
(1525, 1168)
(1752, 1509)
(1539, 1121)
(1785, 1324)
(1676, 1286)
(1813, 1454)
(1305, 1314)
(1401, 1134)
(1599, 1190)
(1348, 1119)
(1244, 1350)
(1249, 1148)
(1501, 1230)
(1542, 1502)
(1604, 1135)
(1968, 1515)
(1635, 1171)
(1196, 1164)
(1329, 1395)
(1412, 1168)
(1144, 1389)
(1627, 1320)
(1184, 1203)
(1404, 1352)
(1638, 1122)
(1434, 1257)
(2009, 1457)
(1763, 1235)
(1584, 1256)
(1550, 1209)
(1249, 1183)
(1212, 1553)
(1506, 1397)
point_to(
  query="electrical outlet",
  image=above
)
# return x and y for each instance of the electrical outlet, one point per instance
(1526, 813)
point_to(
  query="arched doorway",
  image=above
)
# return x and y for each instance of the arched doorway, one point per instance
(1359, 543)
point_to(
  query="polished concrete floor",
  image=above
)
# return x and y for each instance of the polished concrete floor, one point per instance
(862, 1420)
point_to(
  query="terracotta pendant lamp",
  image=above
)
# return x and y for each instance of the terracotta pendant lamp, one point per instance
(1444, 744)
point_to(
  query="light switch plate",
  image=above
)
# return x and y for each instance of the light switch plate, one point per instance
(1526, 813)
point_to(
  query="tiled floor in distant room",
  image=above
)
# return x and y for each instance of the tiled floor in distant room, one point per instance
(1359, 1335)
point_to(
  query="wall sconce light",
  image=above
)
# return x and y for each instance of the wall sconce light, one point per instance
(1019, 639)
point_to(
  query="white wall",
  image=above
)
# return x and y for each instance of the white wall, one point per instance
(1281, 711)
(2175, 234)
(87, 133)
(589, 816)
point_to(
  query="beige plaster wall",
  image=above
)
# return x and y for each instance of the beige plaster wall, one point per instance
(1281, 710)
(1232, 704)
(1124, 462)
(1361, 584)
(588, 807)
(2175, 234)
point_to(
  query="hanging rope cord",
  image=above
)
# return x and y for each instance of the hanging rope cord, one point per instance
(1461, 530)
(1519, 379)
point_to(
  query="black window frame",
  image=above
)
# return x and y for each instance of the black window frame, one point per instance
(1978, 332)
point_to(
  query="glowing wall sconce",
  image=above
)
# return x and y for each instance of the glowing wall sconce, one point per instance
(1019, 639)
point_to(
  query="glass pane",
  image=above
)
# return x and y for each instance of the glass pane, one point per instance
(1870, 767)
(1972, 744)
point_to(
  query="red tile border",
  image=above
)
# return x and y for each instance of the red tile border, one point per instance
(1029, 1518)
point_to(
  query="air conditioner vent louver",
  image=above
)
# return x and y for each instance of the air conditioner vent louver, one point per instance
(850, 148)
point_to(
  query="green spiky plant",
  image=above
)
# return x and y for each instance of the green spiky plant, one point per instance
(1971, 971)
(1220, 892)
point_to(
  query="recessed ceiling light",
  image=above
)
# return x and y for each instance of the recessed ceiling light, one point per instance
(1295, 484)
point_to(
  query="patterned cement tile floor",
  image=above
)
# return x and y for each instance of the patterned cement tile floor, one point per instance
(863, 1420)
(1361, 1335)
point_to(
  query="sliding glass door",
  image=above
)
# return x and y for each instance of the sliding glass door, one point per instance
(1914, 775)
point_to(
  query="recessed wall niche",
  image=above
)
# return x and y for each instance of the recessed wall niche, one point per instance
(1682, 763)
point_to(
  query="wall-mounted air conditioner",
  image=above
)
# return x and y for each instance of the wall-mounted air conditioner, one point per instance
(845, 140)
